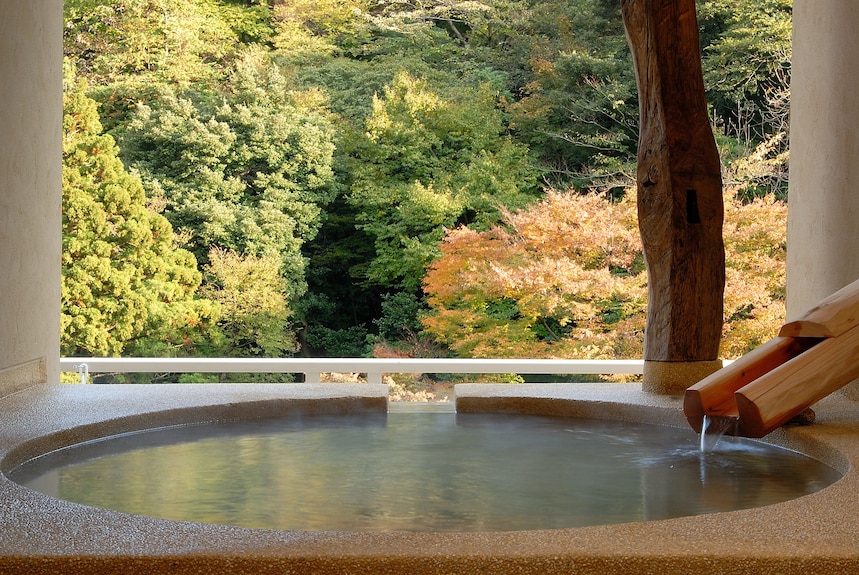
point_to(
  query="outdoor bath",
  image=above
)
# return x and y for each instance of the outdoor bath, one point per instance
(422, 468)
(815, 533)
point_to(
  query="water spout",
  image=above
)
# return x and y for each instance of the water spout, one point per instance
(713, 428)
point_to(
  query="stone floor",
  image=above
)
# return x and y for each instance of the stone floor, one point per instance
(818, 533)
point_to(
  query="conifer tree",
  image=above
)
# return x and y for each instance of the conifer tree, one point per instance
(125, 284)
(250, 173)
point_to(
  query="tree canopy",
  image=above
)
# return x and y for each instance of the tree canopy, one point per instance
(426, 162)
(125, 283)
(410, 177)
(250, 173)
(565, 279)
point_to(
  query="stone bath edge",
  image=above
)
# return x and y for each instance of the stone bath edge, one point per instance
(817, 533)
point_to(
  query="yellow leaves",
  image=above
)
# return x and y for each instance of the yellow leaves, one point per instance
(310, 100)
(295, 38)
(403, 107)
(324, 18)
(767, 163)
(542, 66)
(243, 278)
(755, 235)
(424, 202)
(253, 301)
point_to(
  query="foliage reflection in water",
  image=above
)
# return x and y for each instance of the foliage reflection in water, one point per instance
(422, 472)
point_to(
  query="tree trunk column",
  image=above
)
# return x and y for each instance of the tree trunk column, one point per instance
(679, 187)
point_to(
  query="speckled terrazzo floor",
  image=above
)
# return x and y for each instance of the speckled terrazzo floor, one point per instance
(816, 534)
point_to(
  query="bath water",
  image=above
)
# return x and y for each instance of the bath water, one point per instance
(422, 472)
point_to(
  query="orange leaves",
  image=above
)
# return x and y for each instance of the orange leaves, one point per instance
(587, 228)
(466, 255)
(565, 278)
(547, 283)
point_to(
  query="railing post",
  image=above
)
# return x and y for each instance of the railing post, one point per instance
(374, 377)
(83, 370)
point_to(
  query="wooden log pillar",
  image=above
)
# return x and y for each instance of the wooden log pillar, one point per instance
(679, 186)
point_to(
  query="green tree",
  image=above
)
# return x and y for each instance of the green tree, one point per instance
(255, 313)
(346, 136)
(747, 51)
(129, 49)
(250, 174)
(176, 41)
(426, 162)
(578, 109)
(325, 26)
(746, 64)
(124, 281)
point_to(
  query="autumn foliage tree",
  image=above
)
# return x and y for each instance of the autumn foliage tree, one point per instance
(565, 278)
(346, 138)
(755, 253)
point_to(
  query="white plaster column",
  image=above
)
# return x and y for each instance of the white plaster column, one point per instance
(823, 204)
(30, 190)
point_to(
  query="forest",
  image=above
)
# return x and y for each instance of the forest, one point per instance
(388, 178)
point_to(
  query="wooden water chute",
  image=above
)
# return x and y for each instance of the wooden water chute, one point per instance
(809, 359)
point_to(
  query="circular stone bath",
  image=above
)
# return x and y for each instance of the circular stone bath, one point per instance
(422, 472)
(816, 533)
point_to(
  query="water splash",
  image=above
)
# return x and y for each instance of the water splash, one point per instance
(712, 430)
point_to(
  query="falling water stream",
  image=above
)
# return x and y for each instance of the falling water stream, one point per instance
(423, 472)
(712, 430)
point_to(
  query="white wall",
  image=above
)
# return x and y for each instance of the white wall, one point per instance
(30, 190)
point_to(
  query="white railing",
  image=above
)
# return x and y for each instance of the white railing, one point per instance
(372, 367)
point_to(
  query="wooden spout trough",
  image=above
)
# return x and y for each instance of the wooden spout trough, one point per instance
(809, 359)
